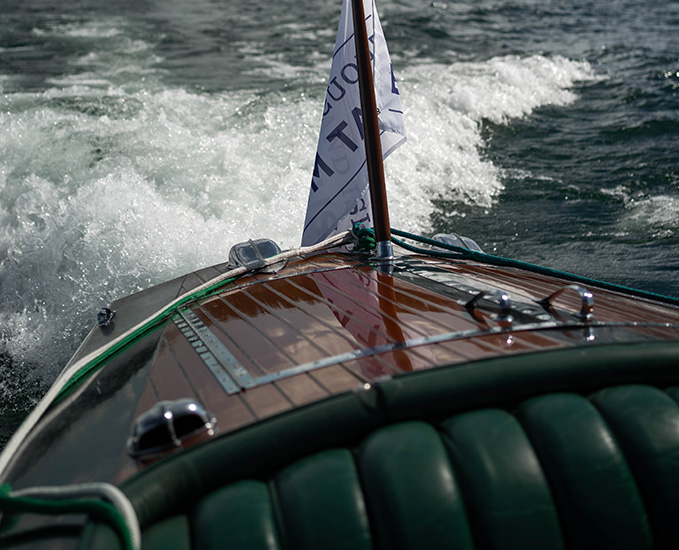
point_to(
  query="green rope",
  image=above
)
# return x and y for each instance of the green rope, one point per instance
(365, 237)
(101, 510)
(465, 253)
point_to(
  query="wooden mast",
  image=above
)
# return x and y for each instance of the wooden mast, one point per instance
(371, 133)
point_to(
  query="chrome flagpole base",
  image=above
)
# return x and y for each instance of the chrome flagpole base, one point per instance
(384, 252)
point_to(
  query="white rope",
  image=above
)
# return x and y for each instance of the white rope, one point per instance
(101, 490)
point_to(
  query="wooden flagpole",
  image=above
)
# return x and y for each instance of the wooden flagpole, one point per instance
(371, 133)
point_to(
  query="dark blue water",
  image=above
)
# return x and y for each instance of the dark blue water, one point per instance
(140, 139)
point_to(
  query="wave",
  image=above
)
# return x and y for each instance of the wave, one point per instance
(446, 107)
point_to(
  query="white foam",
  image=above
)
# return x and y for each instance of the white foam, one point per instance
(94, 206)
(105, 28)
(645, 216)
(507, 87)
(658, 214)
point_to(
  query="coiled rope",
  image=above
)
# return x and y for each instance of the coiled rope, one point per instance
(115, 509)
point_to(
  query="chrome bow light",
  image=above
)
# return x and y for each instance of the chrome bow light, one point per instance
(168, 426)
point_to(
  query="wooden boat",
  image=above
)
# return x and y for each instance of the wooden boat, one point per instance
(352, 406)
(326, 397)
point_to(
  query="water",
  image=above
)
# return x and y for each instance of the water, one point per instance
(141, 139)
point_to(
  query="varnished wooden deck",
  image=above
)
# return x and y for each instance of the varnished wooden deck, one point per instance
(320, 308)
(322, 326)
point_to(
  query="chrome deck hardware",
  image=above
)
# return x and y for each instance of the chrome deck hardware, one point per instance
(230, 373)
(454, 239)
(168, 426)
(105, 317)
(586, 313)
(253, 252)
(504, 303)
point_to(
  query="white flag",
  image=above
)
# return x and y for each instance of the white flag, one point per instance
(339, 194)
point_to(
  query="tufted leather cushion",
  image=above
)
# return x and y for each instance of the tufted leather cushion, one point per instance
(571, 449)
(558, 471)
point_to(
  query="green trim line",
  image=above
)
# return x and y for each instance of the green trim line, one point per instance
(100, 510)
(136, 335)
(464, 253)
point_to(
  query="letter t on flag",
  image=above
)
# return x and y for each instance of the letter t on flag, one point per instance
(339, 194)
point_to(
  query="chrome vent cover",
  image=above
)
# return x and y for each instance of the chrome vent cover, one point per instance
(170, 425)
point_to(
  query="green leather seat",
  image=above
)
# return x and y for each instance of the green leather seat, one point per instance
(560, 461)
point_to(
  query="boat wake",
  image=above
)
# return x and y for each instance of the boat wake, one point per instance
(446, 107)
